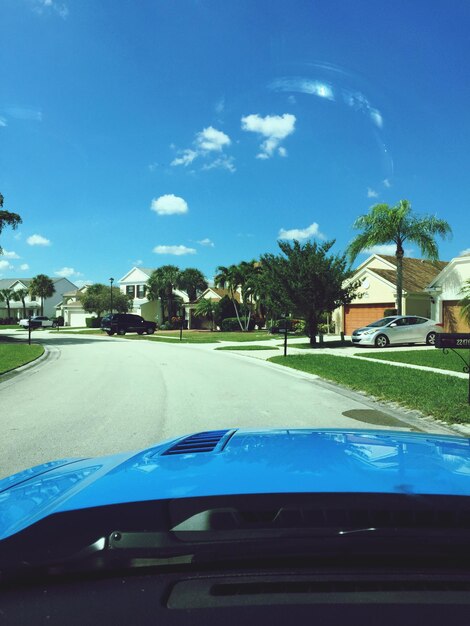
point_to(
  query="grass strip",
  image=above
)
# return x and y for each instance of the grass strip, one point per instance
(163, 339)
(427, 358)
(13, 355)
(444, 397)
(247, 348)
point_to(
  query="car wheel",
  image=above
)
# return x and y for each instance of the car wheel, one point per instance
(431, 339)
(121, 331)
(140, 332)
(150, 331)
(381, 341)
(110, 332)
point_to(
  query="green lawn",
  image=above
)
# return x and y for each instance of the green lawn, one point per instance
(444, 397)
(428, 358)
(9, 327)
(16, 354)
(194, 336)
(247, 348)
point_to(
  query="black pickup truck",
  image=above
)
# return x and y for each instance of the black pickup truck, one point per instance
(122, 323)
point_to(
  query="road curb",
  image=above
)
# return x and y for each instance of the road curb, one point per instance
(15, 371)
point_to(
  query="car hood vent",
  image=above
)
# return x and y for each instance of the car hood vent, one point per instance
(201, 442)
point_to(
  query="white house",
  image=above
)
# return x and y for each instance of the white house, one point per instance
(32, 304)
(444, 291)
(134, 285)
(71, 308)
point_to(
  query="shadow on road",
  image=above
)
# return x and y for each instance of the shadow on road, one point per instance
(64, 341)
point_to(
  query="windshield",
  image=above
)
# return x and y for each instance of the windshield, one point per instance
(201, 204)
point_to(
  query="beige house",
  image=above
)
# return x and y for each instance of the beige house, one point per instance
(444, 291)
(71, 308)
(214, 294)
(378, 292)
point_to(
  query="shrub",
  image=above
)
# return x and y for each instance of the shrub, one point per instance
(93, 322)
(59, 320)
(230, 324)
(298, 326)
(166, 326)
(388, 312)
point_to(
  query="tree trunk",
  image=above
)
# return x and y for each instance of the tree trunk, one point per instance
(24, 308)
(312, 328)
(42, 306)
(236, 311)
(8, 308)
(399, 257)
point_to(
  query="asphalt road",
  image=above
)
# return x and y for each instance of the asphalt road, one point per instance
(96, 396)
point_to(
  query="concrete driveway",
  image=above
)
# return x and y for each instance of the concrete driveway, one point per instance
(95, 396)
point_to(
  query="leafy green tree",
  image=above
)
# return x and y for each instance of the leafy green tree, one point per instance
(465, 302)
(42, 286)
(207, 308)
(307, 281)
(7, 295)
(161, 284)
(20, 296)
(8, 219)
(97, 299)
(192, 281)
(385, 224)
(230, 278)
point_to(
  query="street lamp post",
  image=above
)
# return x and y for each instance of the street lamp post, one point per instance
(111, 280)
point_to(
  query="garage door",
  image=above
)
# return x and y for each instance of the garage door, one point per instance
(357, 315)
(453, 323)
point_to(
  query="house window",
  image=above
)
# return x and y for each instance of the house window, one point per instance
(141, 291)
(130, 291)
(33, 298)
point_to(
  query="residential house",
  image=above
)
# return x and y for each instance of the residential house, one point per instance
(444, 291)
(33, 303)
(214, 294)
(71, 309)
(378, 290)
(134, 285)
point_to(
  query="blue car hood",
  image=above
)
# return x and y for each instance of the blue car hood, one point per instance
(234, 462)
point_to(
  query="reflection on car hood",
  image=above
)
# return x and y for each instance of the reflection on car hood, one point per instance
(235, 461)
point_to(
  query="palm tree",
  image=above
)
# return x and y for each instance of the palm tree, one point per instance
(384, 224)
(161, 284)
(465, 302)
(192, 281)
(230, 278)
(207, 308)
(8, 219)
(6, 295)
(42, 286)
(19, 296)
(156, 290)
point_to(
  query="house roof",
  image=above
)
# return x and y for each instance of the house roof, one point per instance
(417, 273)
(6, 283)
(219, 292)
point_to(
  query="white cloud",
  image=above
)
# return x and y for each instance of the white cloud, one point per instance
(387, 183)
(169, 204)
(24, 267)
(67, 272)
(3, 122)
(206, 242)
(301, 233)
(305, 85)
(376, 117)
(387, 248)
(274, 127)
(9, 254)
(24, 113)
(210, 139)
(222, 163)
(51, 5)
(38, 240)
(220, 106)
(5, 265)
(282, 151)
(465, 252)
(174, 250)
(186, 158)
(137, 262)
(371, 193)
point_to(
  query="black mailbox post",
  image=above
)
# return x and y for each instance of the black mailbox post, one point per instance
(454, 342)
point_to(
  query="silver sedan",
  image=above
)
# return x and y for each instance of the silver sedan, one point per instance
(397, 329)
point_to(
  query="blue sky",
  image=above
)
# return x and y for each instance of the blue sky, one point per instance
(198, 132)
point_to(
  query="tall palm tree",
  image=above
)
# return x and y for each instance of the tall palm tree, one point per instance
(192, 281)
(230, 278)
(385, 224)
(7, 295)
(42, 286)
(207, 308)
(156, 290)
(8, 219)
(161, 284)
(19, 296)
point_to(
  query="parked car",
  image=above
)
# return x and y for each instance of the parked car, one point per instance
(122, 323)
(38, 321)
(397, 329)
(241, 526)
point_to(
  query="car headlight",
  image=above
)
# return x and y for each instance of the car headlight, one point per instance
(369, 332)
